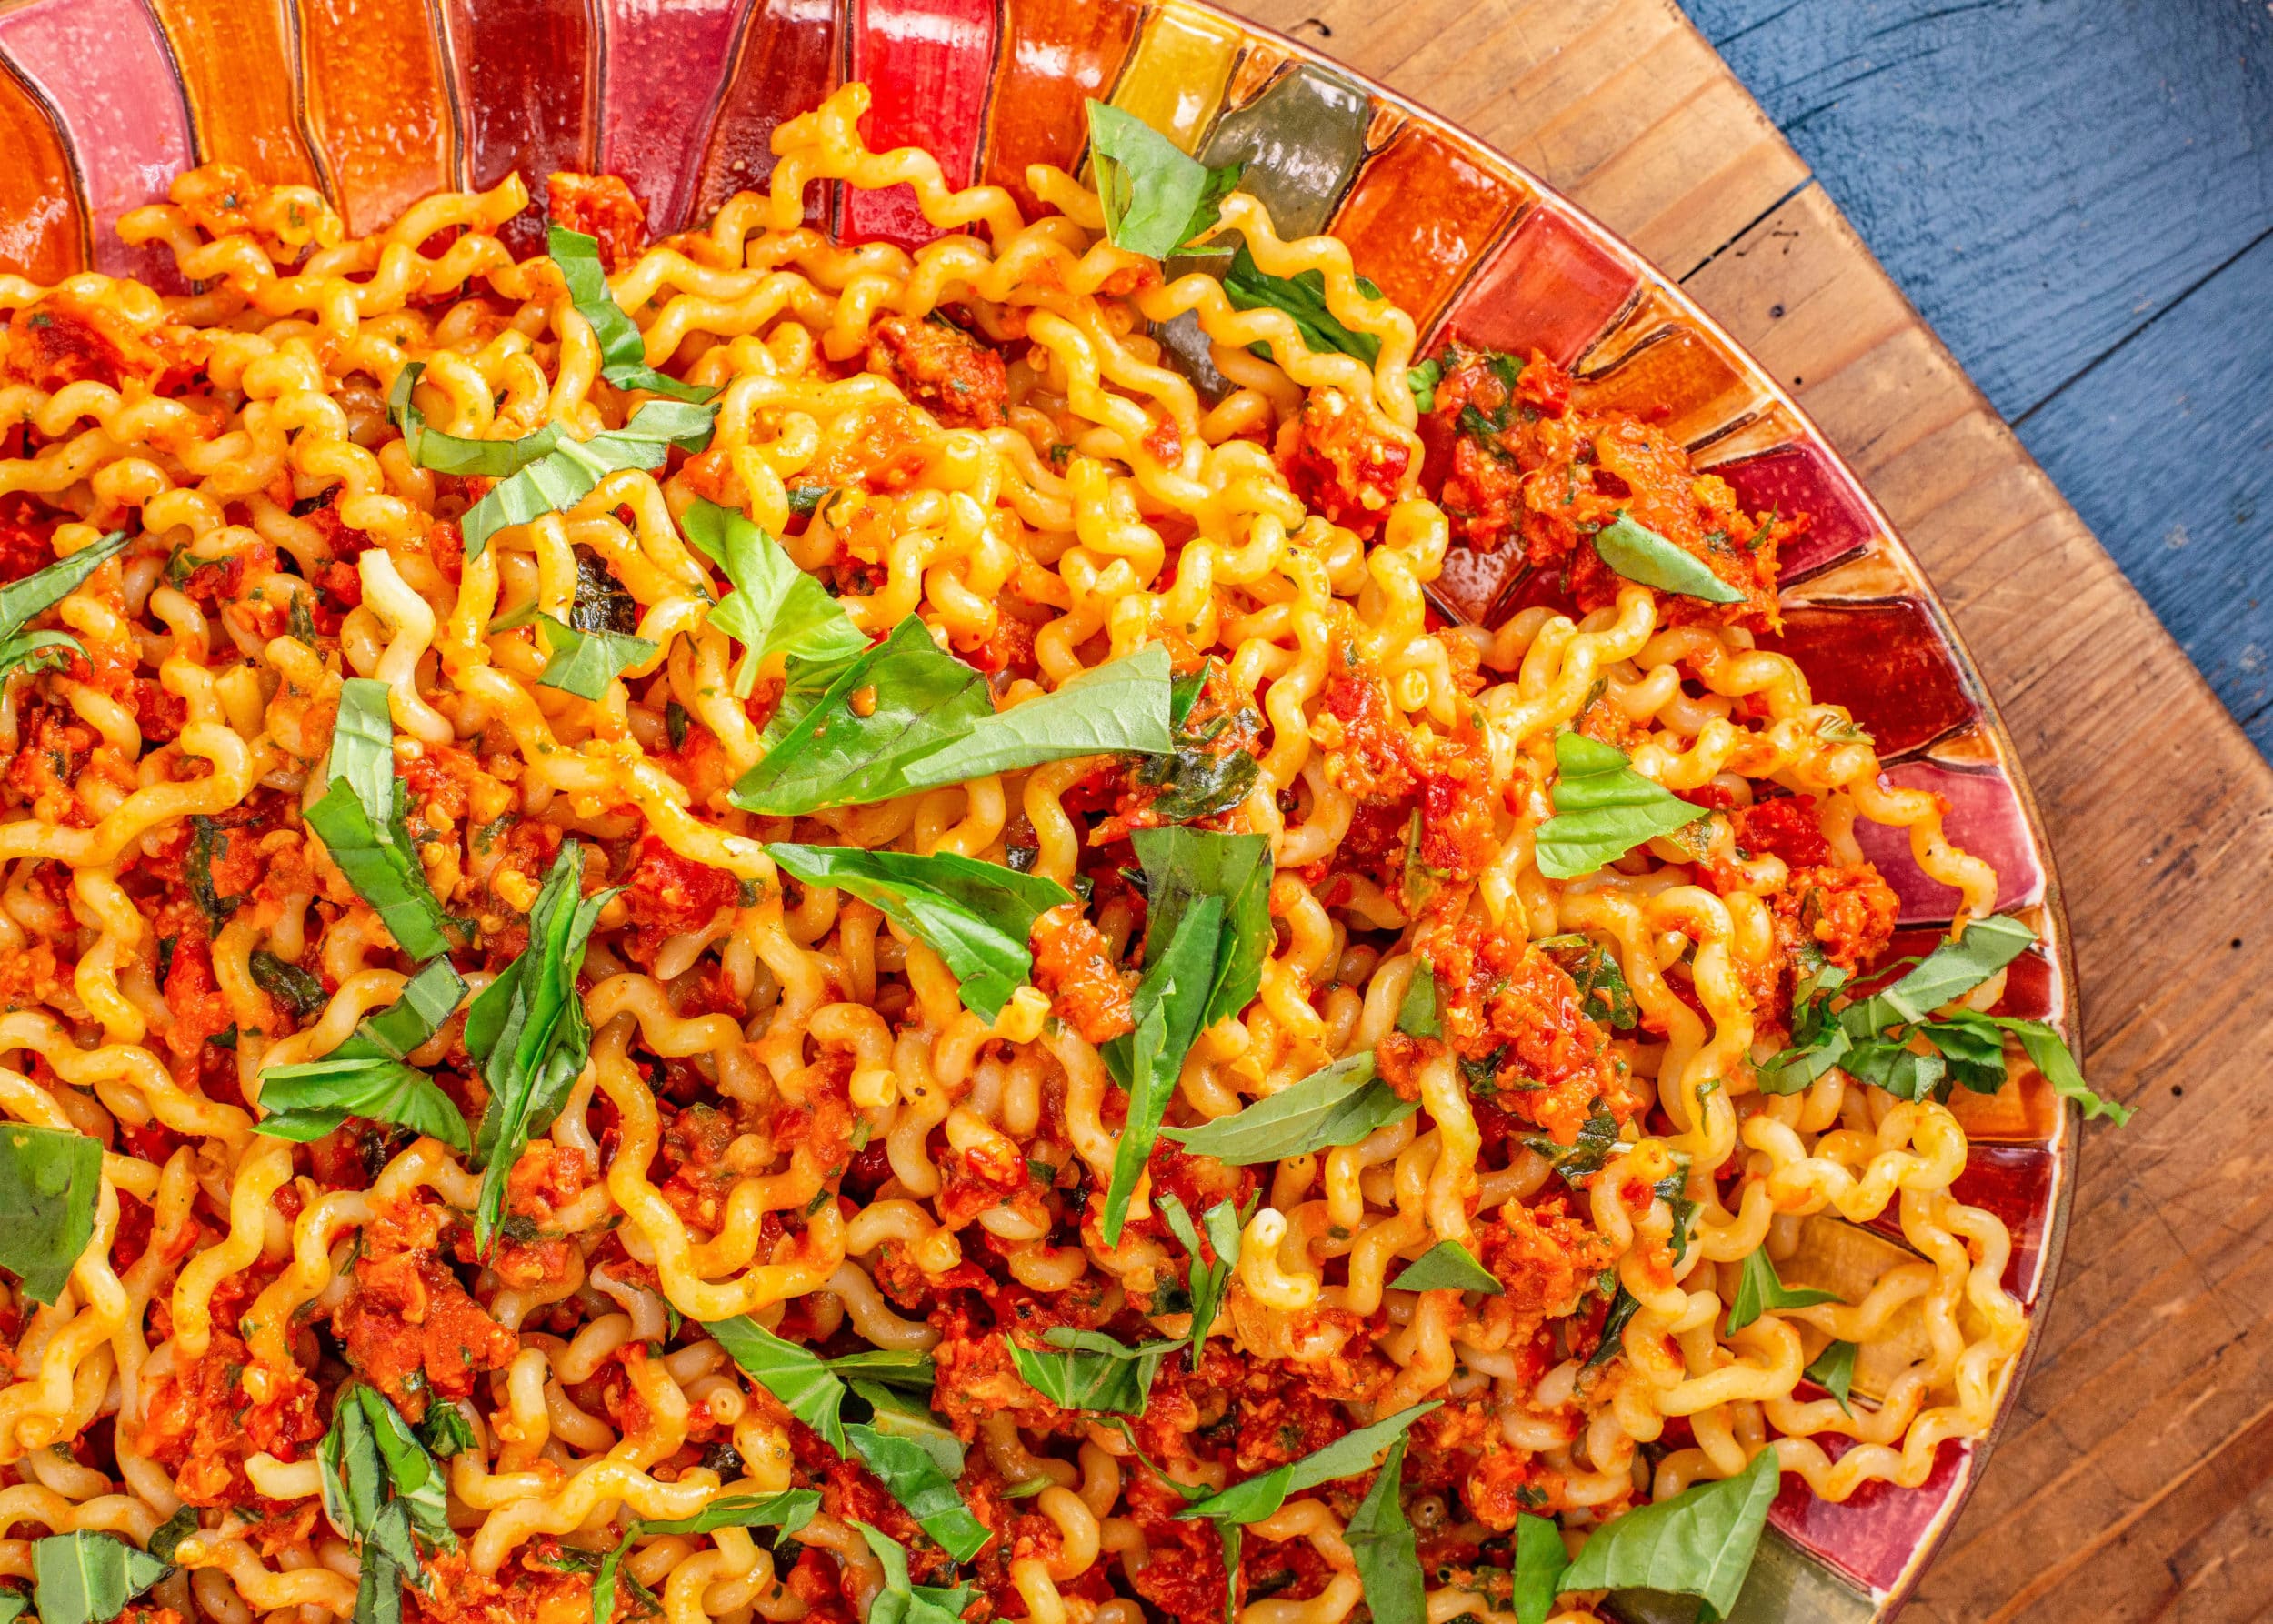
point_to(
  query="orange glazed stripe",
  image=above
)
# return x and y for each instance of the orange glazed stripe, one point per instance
(378, 104)
(44, 237)
(240, 82)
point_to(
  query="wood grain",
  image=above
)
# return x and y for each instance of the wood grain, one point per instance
(2135, 1480)
(2079, 197)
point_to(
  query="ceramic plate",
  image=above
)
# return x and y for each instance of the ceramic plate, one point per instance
(380, 102)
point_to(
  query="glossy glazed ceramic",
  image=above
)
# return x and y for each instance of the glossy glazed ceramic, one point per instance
(380, 101)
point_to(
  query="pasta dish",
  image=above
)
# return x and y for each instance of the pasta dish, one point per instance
(739, 929)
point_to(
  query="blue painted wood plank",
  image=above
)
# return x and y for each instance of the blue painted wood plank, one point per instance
(2078, 195)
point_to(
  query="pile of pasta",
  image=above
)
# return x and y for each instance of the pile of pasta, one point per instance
(737, 927)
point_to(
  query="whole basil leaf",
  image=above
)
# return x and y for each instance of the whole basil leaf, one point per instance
(1120, 706)
(976, 915)
(622, 351)
(1338, 1105)
(836, 757)
(360, 821)
(1447, 1266)
(1168, 1010)
(1639, 553)
(49, 1178)
(1759, 1287)
(929, 721)
(88, 1578)
(1183, 865)
(1698, 1543)
(1157, 198)
(775, 605)
(1387, 1557)
(1603, 809)
(529, 1031)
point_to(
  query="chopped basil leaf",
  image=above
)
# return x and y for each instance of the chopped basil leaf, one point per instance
(1250, 287)
(585, 663)
(1338, 1105)
(1540, 1558)
(1597, 1140)
(1416, 1015)
(1346, 1457)
(569, 473)
(906, 1469)
(976, 915)
(1090, 1370)
(1447, 1266)
(529, 1031)
(1834, 1371)
(1603, 809)
(208, 844)
(40, 591)
(167, 1537)
(1388, 1558)
(1167, 1009)
(49, 1177)
(1208, 1282)
(789, 1510)
(1759, 1289)
(1871, 1038)
(1698, 1543)
(1195, 974)
(288, 983)
(1640, 553)
(445, 1430)
(452, 453)
(87, 1577)
(809, 1386)
(361, 822)
(1158, 198)
(900, 1601)
(1623, 1308)
(1603, 993)
(775, 605)
(623, 350)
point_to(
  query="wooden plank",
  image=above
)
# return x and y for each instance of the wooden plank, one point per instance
(2096, 250)
(2136, 1474)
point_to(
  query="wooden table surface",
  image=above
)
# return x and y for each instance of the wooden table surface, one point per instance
(2078, 196)
(2135, 1479)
